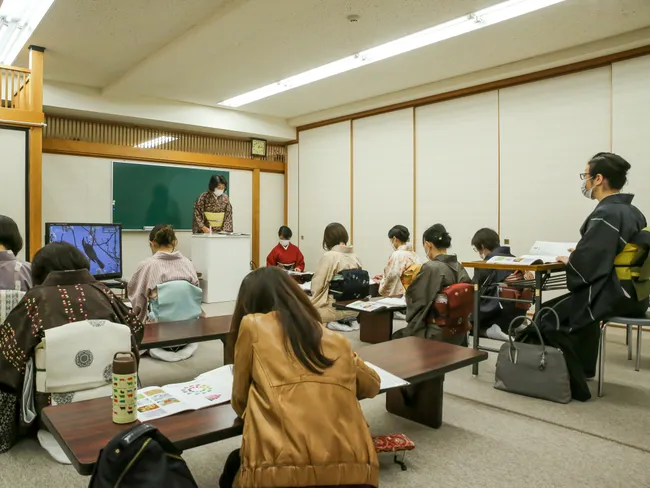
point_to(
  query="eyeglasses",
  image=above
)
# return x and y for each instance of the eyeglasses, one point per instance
(585, 176)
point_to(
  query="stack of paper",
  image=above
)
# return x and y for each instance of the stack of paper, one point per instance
(393, 302)
(388, 380)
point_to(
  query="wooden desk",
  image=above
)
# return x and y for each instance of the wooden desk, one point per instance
(169, 334)
(375, 327)
(542, 273)
(423, 363)
(83, 428)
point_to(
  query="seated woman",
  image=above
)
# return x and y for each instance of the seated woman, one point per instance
(338, 257)
(285, 254)
(297, 385)
(441, 271)
(164, 266)
(14, 273)
(67, 293)
(596, 291)
(495, 317)
(403, 256)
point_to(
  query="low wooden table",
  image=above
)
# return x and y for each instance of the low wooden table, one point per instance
(375, 327)
(170, 334)
(424, 364)
(83, 428)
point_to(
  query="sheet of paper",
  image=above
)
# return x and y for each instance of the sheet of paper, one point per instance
(393, 302)
(388, 380)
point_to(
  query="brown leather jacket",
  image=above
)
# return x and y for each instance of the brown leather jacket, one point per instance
(301, 428)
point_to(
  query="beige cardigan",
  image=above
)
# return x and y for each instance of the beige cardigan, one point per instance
(334, 261)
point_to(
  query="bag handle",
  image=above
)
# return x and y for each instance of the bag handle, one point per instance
(513, 348)
(547, 310)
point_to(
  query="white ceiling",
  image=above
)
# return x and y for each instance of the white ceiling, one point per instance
(204, 51)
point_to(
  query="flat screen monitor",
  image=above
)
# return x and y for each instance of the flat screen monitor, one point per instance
(100, 243)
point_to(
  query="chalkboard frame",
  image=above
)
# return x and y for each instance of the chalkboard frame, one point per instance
(128, 226)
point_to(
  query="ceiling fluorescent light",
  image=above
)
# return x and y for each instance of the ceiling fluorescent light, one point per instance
(156, 142)
(462, 25)
(18, 20)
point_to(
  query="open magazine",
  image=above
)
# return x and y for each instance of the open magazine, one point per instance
(541, 252)
(373, 305)
(209, 389)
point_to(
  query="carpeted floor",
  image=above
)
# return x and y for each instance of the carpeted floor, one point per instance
(488, 439)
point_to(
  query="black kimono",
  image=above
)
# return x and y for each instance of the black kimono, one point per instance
(596, 292)
(493, 311)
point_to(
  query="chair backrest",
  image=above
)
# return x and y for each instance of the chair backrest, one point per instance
(8, 301)
(176, 300)
(74, 361)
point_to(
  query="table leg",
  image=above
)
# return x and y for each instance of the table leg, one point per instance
(376, 327)
(421, 403)
(475, 318)
(538, 291)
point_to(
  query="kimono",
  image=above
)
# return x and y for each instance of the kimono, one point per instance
(290, 258)
(14, 273)
(64, 297)
(208, 202)
(334, 261)
(159, 268)
(596, 293)
(493, 311)
(400, 260)
(434, 276)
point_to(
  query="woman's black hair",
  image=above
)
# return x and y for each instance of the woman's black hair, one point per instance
(438, 236)
(163, 235)
(270, 289)
(57, 256)
(399, 232)
(285, 232)
(334, 234)
(215, 181)
(10, 236)
(486, 238)
(613, 168)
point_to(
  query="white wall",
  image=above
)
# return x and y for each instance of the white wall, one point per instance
(324, 185)
(79, 189)
(457, 169)
(549, 130)
(12, 184)
(383, 183)
(293, 168)
(271, 212)
(511, 157)
(631, 124)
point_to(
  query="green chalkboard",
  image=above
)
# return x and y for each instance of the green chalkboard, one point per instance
(145, 195)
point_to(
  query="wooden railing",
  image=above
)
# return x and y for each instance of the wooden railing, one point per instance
(15, 88)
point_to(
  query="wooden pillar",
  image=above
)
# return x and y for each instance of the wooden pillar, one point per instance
(256, 218)
(35, 170)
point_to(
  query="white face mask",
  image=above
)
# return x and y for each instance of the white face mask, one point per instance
(218, 193)
(587, 193)
(284, 243)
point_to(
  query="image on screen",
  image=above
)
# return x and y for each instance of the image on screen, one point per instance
(100, 243)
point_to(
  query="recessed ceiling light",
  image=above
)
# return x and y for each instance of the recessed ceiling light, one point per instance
(462, 25)
(18, 19)
(156, 142)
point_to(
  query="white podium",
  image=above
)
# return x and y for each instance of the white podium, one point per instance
(223, 261)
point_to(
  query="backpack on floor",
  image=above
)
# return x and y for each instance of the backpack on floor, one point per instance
(141, 457)
(350, 284)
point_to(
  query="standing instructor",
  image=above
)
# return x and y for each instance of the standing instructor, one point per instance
(212, 211)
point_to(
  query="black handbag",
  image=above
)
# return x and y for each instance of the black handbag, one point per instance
(534, 370)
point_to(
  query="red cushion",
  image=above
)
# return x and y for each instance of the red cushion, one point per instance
(393, 443)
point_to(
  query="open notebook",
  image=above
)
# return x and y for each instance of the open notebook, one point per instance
(541, 252)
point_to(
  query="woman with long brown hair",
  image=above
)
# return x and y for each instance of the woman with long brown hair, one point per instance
(297, 386)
